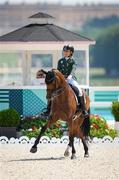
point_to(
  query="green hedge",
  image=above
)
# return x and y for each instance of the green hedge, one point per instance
(115, 110)
(9, 118)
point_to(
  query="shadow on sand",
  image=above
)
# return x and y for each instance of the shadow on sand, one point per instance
(39, 159)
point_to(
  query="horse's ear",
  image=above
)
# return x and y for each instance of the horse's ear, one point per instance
(55, 70)
(41, 74)
(45, 72)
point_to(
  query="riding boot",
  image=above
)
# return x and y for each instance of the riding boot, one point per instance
(47, 110)
(82, 105)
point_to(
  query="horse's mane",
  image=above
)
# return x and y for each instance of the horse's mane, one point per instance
(58, 73)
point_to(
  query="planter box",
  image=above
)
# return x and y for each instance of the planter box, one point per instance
(19, 134)
(117, 127)
(8, 132)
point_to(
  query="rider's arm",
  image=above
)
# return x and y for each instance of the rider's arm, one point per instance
(58, 65)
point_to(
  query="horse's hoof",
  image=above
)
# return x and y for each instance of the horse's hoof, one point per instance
(86, 155)
(66, 154)
(33, 150)
(73, 156)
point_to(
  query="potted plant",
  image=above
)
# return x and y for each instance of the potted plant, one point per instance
(115, 112)
(9, 120)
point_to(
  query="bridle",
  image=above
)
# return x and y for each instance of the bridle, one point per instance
(59, 91)
(56, 92)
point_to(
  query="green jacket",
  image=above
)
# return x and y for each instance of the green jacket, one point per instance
(66, 66)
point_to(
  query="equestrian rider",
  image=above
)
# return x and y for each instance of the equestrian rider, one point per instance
(67, 66)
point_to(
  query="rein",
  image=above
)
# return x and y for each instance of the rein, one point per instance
(57, 92)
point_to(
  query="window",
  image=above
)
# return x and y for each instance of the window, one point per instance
(10, 69)
(80, 59)
(40, 61)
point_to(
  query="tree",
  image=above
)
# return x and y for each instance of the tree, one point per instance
(94, 27)
(106, 51)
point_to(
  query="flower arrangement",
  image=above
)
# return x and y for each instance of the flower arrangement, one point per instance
(100, 128)
(31, 126)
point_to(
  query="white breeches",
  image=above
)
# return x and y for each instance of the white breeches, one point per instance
(71, 81)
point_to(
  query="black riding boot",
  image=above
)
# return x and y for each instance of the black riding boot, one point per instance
(82, 104)
(47, 110)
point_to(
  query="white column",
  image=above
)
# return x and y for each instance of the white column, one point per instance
(56, 56)
(87, 66)
(26, 68)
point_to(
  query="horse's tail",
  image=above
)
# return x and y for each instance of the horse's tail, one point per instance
(86, 123)
(86, 126)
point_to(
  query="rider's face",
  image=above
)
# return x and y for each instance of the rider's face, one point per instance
(67, 53)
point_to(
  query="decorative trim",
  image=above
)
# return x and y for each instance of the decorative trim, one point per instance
(47, 140)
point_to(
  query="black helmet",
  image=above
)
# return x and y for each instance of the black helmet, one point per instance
(68, 47)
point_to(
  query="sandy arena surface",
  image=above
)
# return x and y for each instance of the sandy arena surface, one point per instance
(17, 163)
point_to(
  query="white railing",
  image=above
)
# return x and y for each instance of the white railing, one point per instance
(92, 91)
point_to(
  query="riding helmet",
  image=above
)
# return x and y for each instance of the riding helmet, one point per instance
(68, 47)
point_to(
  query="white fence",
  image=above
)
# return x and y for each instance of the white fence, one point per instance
(102, 89)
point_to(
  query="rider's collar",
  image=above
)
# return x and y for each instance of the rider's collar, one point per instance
(68, 57)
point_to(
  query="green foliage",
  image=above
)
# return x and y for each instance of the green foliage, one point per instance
(101, 22)
(99, 127)
(115, 110)
(95, 26)
(31, 127)
(105, 53)
(9, 118)
(29, 122)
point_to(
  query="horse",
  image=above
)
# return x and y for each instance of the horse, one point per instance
(64, 106)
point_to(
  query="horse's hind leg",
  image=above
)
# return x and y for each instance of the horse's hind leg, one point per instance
(85, 145)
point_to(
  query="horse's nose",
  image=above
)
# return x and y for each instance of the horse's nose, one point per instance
(39, 76)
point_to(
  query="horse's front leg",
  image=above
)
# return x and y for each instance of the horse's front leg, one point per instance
(73, 156)
(47, 125)
(67, 153)
(70, 145)
(34, 147)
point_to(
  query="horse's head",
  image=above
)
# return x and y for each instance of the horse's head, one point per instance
(53, 79)
(41, 74)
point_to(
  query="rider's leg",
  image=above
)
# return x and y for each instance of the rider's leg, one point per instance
(79, 96)
(83, 107)
(81, 103)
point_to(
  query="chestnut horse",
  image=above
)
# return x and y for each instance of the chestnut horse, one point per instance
(64, 106)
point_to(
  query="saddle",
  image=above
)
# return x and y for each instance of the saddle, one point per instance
(76, 93)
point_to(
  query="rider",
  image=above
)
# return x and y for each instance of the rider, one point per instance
(67, 66)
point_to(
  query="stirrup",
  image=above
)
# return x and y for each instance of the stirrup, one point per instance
(85, 114)
(78, 109)
(44, 114)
